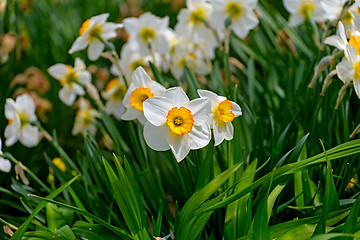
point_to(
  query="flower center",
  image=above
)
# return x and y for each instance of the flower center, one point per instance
(233, 9)
(138, 96)
(24, 119)
(120, 90)
(84, 27)
(355, 42)
(307, 9)
(70, 77)
(223, 112)
(347, 18)
(136, 64)
(95, 33)
(147, 34)
(180, 120)
(357, 70)
(197, 16)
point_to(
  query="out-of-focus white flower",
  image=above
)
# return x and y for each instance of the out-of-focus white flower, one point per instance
(222, 114)
(240, 12)
(176, 123)
(5, 164)
(303, 9)
(349, 18)
(147, 33)
(332, 8)
(71, 80)
(114, 94)
(20, 113)
(192, 21)
(93, 33)
(141, 88)
(339, 40)
(85, 119)
(349, 69)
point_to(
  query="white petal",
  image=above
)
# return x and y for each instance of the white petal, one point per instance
(219, 131)
(99, 19)
(217, 19)
(126, 100)
(80, 43)
(251, 3)
(296, 19)
(58, 71)
(200, 136)
(229, 131)
(131, 25)
(180, 145)
(156, 109)
(5, 165)
(200, 109)
(177, 96)
(342, 33)
(357, 87)
(95, 49)
(292, 5)
(335, 41)
(10, 108)
(67, 96)
(131, 114)
(157, 88)
(210, 95)
(83, 76)
(236, 110)
(108, 30)
(354, 58)
(156, 136)
(79, 65)
(162, 44)
(29, 135)
(26, 105)
(116, 108)
(10, 135)
(345, 71)
(141, 78)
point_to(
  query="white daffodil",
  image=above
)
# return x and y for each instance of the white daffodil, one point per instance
(222, 114)
(332, 8)
(85, 119)
(141, 88)
(349, 69)
(93, 33)
(5, 164)
(240, 12)
(114, 94)
(303, 9)
(176, 123)
(148, 33)
(193, 19)
(71, 80)
(20, 113)
(339, 40)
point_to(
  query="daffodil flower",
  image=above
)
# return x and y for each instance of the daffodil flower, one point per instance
(193, 19)
(303, 9)
(85, 119)
(5, 164)
(114, 94)
(339, 40)
(148, 33)
(239, 12)
(176, 123)
(141, 88)
(20, 115)
(222, 114)
(94, 33)
(332, 8)
(349, 69)
(71, 79)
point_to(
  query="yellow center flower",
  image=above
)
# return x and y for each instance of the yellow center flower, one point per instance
(197, 16)
(70, 77)
(355, 42)
(147, 34)
(357, 70)
(138, 96)
(180, 120)
(120, 92)
(84, 27)
(347, 18)
(233, 9)
(59, 163)
(223, 112)
(94, 33)
(23, 118)
(307, 9)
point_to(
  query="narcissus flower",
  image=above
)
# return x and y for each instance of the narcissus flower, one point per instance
(20, 115)
(339, 40)
(222, 114)
(85, 119)
(94, 32)
(114, 94)
(141, 88)
(332, 8)
(71, 79)
(193, 19)
(240, 12)
(349, 69)
(176, 123)
(303, 9)
(148, 33)
(5, 164)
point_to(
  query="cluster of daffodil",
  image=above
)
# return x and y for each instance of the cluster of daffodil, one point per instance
(317, 10)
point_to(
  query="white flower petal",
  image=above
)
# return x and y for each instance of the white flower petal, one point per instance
(99, 19)
(83, 76)
(67, 96)
(80, 43)
(29, 135)
(229, 131)
(357, 86)
(131, 114)
(236, 110)
(108, 30)
(131, 25)
(219, 131)
(95, 49)
(200, 109)
(5, 165)
(10, 108)
(58, 71)
(141, 78)
(26, 105)
(180, 145)
(10, 135)
(156, 109)
(177, 96)
(296, 19)
(156, 136)
(79, 65)
(200, 136)
(335, 41)
(354, 58)
(345, 71)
